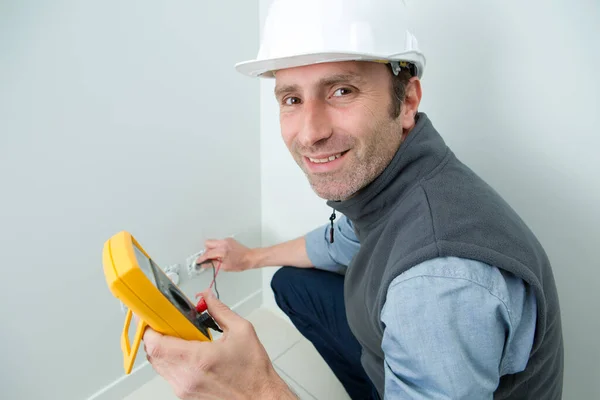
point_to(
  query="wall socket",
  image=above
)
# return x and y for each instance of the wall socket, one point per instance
(172, 271)
(190, 262)
(192, 268)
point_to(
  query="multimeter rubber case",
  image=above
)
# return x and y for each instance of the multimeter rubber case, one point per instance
(146, 291)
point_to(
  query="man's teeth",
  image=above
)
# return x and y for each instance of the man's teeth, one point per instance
(324, 160)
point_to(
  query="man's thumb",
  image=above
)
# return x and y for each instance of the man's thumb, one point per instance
(222, 314)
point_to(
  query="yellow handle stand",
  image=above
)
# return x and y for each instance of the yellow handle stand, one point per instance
(129, 353)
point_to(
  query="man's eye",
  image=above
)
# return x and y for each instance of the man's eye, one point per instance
(342, 92)
(290, 101)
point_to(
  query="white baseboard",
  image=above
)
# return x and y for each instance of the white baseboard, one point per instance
(141, 374)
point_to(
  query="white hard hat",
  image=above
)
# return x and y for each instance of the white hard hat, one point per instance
(303, 32)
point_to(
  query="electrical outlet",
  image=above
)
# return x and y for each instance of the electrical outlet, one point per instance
(192, 268)
(190, 263)
(175, 269)
(172, 271)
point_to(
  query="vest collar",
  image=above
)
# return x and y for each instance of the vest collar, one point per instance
(421, 152)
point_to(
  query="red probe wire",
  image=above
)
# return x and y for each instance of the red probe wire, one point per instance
(201, 306)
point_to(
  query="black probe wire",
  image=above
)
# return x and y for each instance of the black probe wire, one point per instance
(215, 278)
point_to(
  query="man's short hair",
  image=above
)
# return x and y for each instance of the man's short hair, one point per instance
(399, 84)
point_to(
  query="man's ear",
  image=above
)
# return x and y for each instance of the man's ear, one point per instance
(411, 104)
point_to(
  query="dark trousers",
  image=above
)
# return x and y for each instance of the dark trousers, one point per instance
(314, 300)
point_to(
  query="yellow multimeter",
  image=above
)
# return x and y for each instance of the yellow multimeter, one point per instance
(147, 292)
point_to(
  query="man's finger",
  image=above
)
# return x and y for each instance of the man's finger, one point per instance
(151, 340)
(212, 243)
(166, 348)
(209, 255)
(222, 314)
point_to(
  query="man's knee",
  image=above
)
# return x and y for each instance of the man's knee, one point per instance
(291, 287)
(283, 278)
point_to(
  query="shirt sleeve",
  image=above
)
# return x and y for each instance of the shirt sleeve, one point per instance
(334, 256)
(452, 328)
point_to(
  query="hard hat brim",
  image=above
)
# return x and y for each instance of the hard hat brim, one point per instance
(265, 68)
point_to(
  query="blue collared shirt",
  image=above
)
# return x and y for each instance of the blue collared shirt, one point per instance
(453, 326)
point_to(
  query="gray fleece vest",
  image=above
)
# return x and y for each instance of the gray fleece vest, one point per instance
(428, 204)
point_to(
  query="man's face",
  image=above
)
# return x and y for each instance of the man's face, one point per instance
(335, 120)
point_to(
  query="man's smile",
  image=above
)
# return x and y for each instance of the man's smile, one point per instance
(324, 162)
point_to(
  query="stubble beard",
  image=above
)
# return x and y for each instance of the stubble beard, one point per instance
(363, 164)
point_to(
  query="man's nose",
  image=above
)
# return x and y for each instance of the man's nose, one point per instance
(316, 124)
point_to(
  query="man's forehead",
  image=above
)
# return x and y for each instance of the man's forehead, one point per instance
(350, 68)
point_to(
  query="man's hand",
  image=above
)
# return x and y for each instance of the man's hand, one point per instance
(233, 255)
(234, 367)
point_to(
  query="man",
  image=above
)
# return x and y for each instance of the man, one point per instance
(429, 286)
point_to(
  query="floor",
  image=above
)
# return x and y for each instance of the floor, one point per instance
(295, 359)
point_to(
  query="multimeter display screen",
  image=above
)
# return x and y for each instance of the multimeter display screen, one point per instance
(145, 264)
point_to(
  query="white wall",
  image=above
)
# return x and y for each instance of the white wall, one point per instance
(114, 115)
(513, 87)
